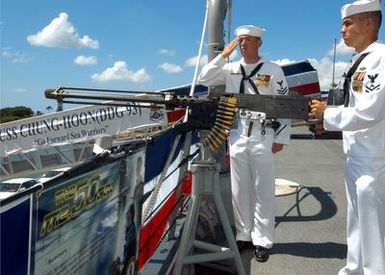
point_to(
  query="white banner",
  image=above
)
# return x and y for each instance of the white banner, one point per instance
(74, 125)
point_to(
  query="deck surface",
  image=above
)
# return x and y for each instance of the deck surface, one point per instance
(310, 224)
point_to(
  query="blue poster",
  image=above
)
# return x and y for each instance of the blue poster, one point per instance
(88, 224)
(14, 232)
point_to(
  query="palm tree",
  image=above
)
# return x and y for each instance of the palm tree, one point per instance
(49, 108)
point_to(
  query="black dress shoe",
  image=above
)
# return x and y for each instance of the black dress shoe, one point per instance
(261, 253)
(243, 245)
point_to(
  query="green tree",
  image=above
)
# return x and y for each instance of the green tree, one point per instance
(14, 113)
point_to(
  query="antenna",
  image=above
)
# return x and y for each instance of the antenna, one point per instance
(334, 63)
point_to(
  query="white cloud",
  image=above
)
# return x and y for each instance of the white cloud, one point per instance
(20, 90)
(341, 49)
(284, 61)
(167, 52)
(85, 60)
(6, 52)
(62, 34)
(170, 68)
(16, 57)
(324, 68)
(191, 62)
(120, 72)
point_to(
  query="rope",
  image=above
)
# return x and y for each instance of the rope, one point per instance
(184, 161)
(183, 207)
(179, 183)
(188, 135)
(154, 195)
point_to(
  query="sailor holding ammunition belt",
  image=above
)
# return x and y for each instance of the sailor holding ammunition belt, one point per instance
(362, 120)
(252, 142)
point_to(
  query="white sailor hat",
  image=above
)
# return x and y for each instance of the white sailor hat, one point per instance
(360, 7)
(249, 30)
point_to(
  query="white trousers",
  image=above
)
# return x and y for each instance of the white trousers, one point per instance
(252, 167)
(365, 189)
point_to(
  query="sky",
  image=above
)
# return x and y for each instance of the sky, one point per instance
(148, 45)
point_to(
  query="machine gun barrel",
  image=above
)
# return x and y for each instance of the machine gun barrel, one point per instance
(170, 100)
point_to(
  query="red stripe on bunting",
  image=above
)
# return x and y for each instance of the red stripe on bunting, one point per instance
(175, 115)
(151, 233)
(307, 89)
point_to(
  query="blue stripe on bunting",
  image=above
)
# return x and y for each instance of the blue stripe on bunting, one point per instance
(297, 68)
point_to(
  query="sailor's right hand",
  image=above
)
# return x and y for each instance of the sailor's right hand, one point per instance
(317, 109)
(230, 48)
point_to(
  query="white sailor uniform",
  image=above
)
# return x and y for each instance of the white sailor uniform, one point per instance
(252, 163)
(363, 126)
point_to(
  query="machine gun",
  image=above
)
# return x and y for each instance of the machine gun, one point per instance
(214, 112)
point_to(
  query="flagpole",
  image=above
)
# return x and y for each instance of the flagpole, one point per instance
(334, 63)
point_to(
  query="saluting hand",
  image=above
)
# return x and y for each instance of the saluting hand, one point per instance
(230, 48)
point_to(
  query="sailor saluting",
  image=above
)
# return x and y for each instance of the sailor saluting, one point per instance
(362, 120)
(252, 147)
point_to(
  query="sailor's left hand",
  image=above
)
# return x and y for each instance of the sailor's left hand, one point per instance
(317, 109)
(276, 147)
